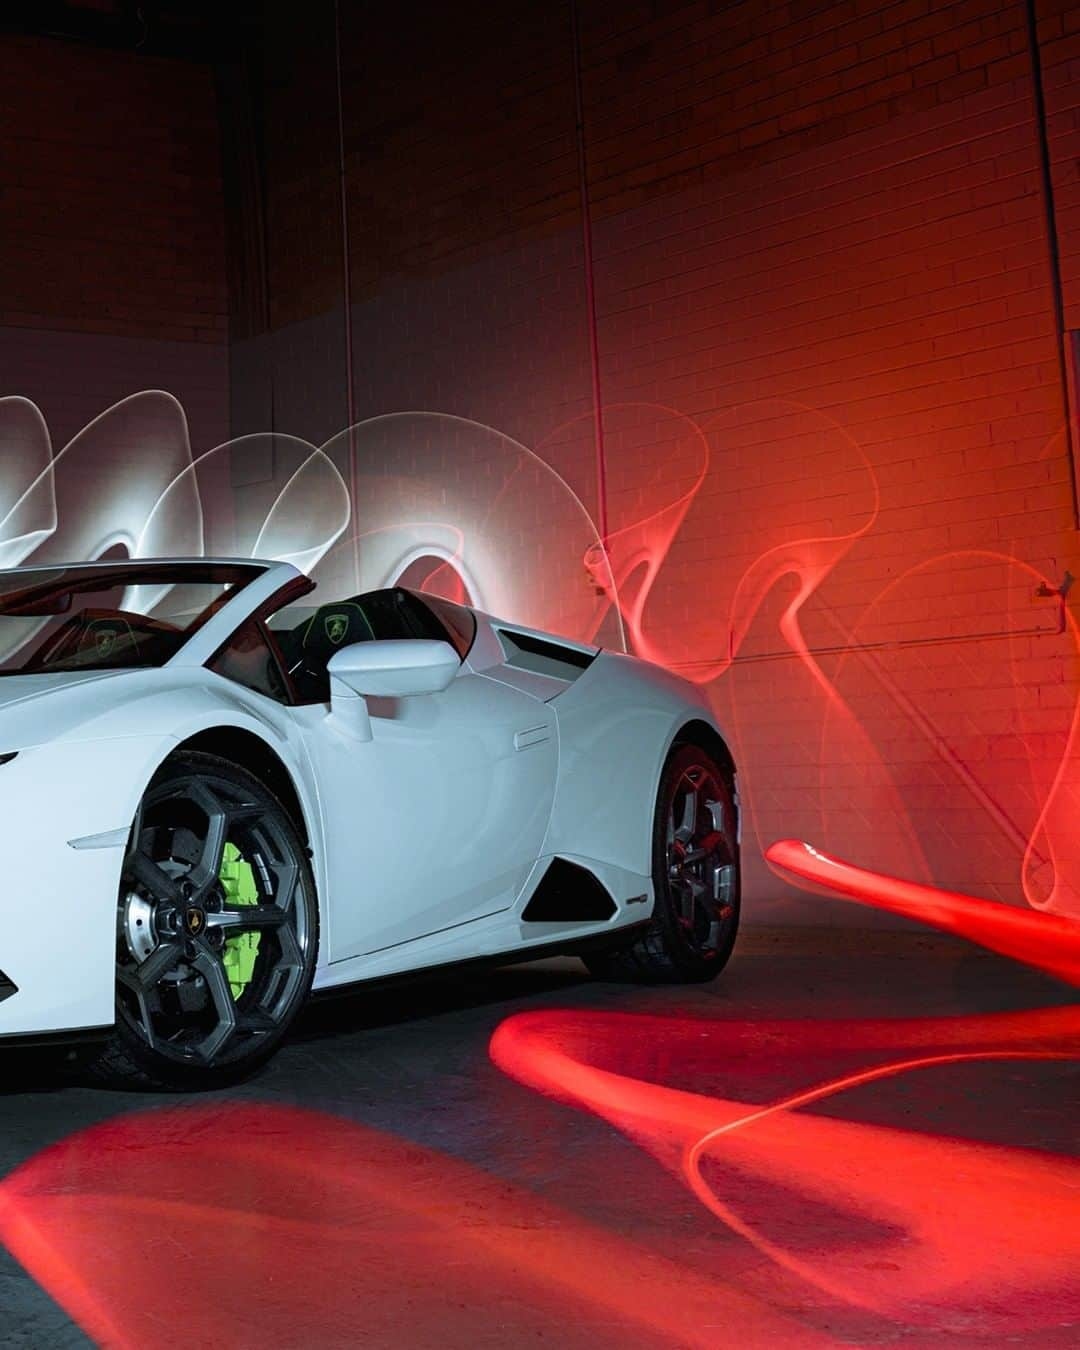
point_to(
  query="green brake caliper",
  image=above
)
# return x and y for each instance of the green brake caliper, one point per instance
(239, 953)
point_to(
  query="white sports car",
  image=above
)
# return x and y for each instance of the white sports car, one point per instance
(219, 794)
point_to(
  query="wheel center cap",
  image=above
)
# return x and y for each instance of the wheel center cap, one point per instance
(194, 920)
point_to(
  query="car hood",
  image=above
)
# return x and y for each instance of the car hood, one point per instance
(21, 688)
(39, 708)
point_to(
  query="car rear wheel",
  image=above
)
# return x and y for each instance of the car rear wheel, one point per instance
(217, 930)
(696, 878)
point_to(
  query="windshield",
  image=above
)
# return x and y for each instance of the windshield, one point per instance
(108, 616)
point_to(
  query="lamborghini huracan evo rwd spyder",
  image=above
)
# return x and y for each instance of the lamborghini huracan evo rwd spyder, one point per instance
(219, 794)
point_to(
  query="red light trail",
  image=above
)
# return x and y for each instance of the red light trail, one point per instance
(1048, 941)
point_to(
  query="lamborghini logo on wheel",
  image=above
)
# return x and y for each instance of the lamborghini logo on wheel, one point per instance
(336, 626)
(106, 639)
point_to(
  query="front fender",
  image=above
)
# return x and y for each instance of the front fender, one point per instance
(58, 907)
(58, 904)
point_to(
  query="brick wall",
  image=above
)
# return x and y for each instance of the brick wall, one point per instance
(830, 218)
(112, 268)
(463, 217)
(1059, 40)
(833, 406)
(464, 220)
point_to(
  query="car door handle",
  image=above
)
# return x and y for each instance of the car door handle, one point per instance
(531, 736)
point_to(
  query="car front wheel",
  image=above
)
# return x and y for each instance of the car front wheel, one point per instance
(217, 930)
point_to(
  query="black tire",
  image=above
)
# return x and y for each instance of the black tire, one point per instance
(217, 930)
(696, 915)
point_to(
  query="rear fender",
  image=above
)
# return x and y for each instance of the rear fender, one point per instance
(617, 725)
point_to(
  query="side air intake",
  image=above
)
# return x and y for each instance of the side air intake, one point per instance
(568, 894)
(542, 656)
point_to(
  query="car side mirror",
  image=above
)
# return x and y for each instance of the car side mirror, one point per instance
(392, 668)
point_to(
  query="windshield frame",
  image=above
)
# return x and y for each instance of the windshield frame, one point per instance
(55, 581)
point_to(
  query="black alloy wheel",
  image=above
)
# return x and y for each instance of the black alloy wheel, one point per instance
(217, 929)
(696, 878)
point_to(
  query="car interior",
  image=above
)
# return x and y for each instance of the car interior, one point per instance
(307, 637)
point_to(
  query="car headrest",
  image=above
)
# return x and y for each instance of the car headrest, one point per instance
(334, 626)
(101, 637)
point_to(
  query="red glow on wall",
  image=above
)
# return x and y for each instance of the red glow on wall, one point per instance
(929, 705)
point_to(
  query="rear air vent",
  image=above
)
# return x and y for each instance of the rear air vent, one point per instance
(568, 894)
(7, 987)
(543, 657)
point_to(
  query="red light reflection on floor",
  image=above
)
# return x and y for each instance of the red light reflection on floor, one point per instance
(908, 1225)
(903, 1223)
(1048, 941)
(257, 1225)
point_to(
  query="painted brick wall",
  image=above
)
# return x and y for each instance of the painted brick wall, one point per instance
(829, 217)
(465, 243)
(464, 220)
(280, 134)
(1059, 40)
(112, 219)
(112, 267)
(833, 408)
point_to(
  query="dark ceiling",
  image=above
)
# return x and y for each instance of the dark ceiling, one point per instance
(186, 30)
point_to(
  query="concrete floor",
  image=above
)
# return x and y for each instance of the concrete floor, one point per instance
(383, 1183)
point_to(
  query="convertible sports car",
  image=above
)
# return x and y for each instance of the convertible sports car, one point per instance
(219, 794)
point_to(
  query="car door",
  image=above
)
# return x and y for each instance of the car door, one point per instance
(436, 820)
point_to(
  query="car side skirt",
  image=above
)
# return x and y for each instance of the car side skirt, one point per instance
(595, 942)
